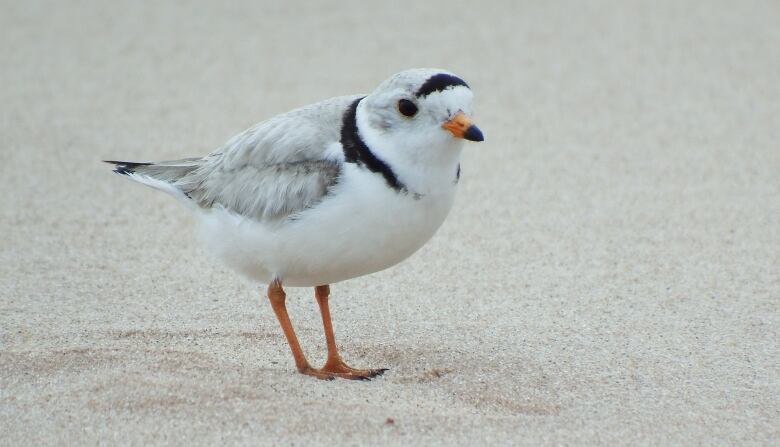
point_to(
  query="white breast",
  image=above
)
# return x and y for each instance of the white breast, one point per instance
(362, 227)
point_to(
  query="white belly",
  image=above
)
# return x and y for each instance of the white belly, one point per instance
(362, 227)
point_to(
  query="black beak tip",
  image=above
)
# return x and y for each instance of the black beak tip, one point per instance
(473, 134)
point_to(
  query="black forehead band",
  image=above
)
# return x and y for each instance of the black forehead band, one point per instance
(438, 83)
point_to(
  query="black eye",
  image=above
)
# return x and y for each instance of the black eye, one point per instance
(407, 108)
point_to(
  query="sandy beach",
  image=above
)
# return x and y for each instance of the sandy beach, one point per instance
(609, 275)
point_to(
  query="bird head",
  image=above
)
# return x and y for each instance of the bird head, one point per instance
(422, 107)
(418, 117)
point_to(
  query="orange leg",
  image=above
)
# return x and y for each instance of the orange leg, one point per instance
(334, 365)
(277, 297)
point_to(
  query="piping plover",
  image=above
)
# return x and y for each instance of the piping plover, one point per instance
(328, 192)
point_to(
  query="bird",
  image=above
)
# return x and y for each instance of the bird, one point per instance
(327, 192)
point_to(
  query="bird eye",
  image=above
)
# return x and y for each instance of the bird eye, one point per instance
(407, 108)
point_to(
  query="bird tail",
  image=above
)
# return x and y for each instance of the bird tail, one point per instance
(165, 176)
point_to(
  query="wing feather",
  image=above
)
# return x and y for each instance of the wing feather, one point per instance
(276, 168)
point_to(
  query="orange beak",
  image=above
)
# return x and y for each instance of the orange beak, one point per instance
(461, 127)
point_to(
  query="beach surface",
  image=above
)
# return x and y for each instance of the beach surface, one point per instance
(609, 275)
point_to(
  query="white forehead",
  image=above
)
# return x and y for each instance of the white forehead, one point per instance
(450, 100)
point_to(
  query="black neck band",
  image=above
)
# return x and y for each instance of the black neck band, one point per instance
(356, 151)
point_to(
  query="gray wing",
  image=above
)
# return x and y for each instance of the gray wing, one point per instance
(264, 192)
(272, 170)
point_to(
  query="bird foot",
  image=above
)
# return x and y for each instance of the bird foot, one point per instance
(317, 373)
(339, 369)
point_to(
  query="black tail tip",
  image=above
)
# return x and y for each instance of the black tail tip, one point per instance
(125, 167)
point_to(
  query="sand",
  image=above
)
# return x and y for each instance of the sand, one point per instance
(610, 273)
